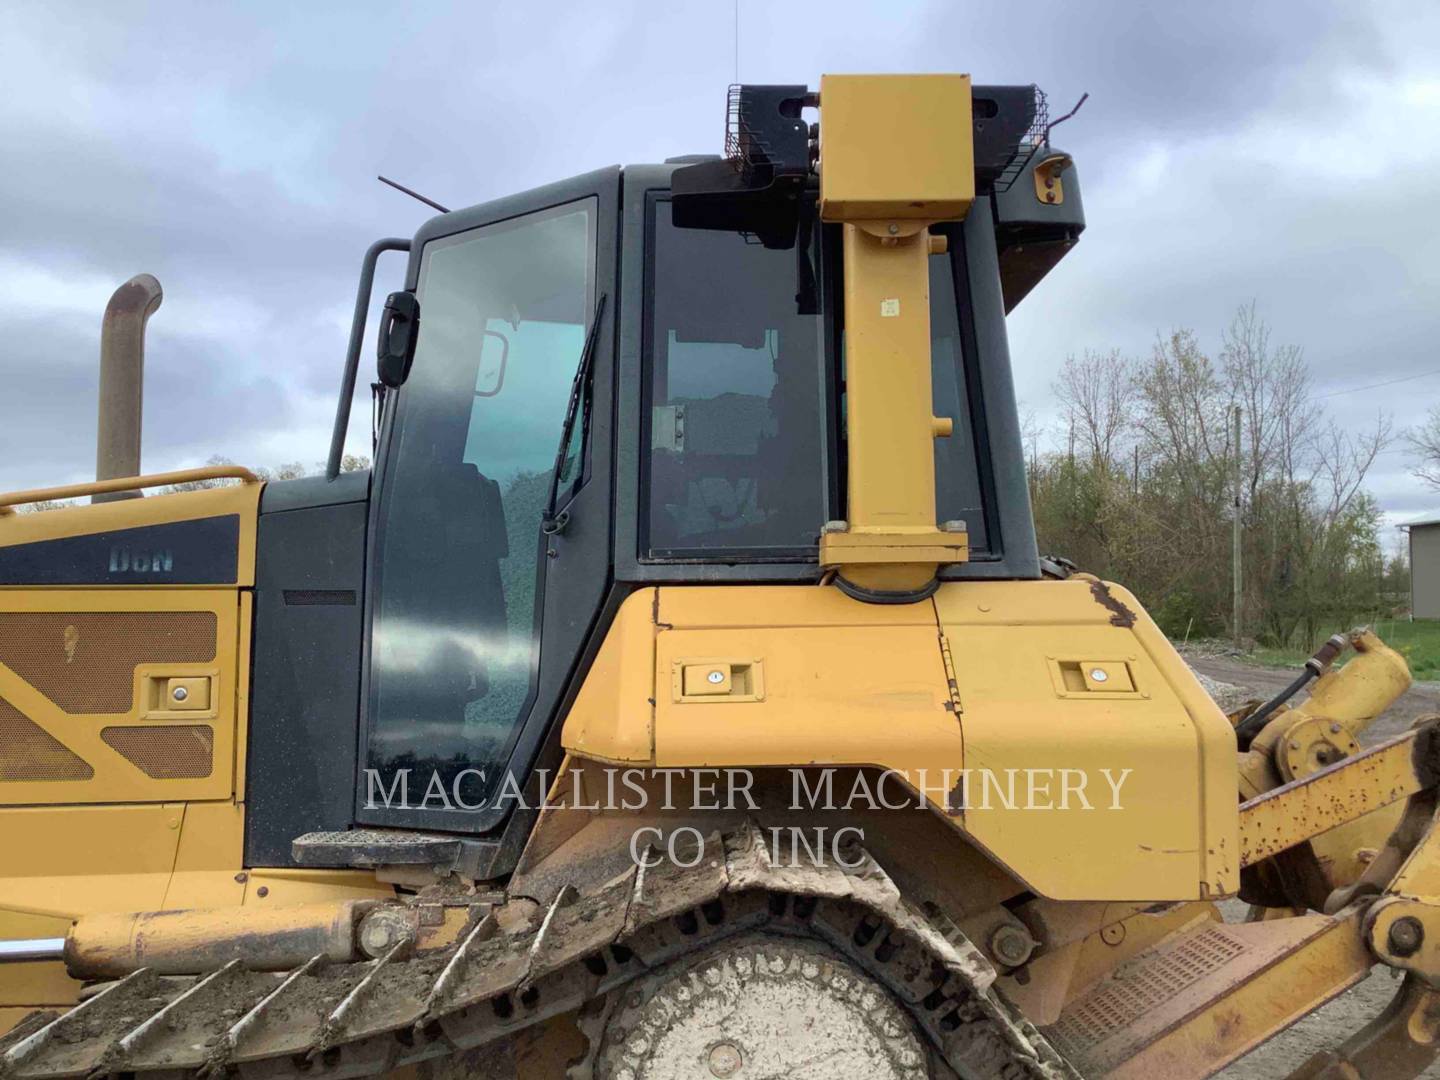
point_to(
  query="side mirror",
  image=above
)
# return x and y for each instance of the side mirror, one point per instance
(399, 329)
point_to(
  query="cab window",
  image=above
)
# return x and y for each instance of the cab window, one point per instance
(736, 459)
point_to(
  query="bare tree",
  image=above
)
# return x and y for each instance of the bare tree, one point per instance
(1271, 386)
(1425, 444)
(1343, 461)
(1098, 391)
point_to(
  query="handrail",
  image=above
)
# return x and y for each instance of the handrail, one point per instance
(352, 350)
(126, 483)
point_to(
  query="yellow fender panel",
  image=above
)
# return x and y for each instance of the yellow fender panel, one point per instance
(993, 702)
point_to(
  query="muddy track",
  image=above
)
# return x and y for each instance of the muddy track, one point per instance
(360, 1019)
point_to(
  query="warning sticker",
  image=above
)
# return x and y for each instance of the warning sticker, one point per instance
(889, 309)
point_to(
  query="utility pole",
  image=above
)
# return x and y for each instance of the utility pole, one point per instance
(1235, 554)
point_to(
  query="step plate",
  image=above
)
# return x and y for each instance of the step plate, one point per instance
(1193, 973)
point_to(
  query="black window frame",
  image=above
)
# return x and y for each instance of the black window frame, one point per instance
(831, 496)
(1000, 452)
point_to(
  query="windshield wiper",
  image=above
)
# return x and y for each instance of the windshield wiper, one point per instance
(553, 522)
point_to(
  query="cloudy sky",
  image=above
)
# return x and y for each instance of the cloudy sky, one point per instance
(1229, 152)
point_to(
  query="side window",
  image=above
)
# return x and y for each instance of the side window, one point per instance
(957, 474)
(736, 457)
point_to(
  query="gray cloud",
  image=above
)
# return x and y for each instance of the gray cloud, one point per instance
(1229, 151)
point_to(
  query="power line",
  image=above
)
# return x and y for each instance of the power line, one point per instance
(1373, 386)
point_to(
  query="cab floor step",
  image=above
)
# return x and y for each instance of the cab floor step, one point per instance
(368, 848)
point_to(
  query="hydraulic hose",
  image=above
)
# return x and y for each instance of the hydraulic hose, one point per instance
(1317, 665)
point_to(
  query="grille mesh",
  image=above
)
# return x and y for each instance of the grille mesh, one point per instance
(84, 661)
(29, 752)
(179, 752)
(1133, 992)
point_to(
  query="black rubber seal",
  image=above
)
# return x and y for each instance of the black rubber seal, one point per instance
(887, 596)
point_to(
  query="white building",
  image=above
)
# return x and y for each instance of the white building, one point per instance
(1424, 566)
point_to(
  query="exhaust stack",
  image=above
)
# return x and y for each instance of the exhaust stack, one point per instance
(122, 381)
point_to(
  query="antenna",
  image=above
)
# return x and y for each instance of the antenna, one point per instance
(737, 41)
(1054, 123)
(413, 194)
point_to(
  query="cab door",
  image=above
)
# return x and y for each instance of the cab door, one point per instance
(479, 606)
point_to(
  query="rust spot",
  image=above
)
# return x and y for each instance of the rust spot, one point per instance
(1120, 615)
(955, 801)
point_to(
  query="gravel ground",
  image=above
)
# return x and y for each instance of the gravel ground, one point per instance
(1231, 680)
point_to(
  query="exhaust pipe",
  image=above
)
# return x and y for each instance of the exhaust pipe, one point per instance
(122, 381)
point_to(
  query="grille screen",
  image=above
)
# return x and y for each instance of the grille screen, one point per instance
(29, 752)
(84, 661)
(182, 752)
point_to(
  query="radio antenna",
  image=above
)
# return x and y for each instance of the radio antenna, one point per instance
(413, 194)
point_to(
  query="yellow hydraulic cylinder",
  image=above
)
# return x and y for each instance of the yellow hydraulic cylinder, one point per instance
(1364, 688)
(897, 155)
(185, 942)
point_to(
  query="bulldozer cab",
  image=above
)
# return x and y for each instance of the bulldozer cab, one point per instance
(524, 483)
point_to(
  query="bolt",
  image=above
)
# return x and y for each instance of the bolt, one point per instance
(715, 677)
(1294, 744)
(1334, 729)
(1011, 945)
(1405, 936)
(894, 229)
(242, 877)
(180, 693)
(725, 1059)
(263, 891)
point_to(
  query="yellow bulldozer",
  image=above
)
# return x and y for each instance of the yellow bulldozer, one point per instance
(690, 699)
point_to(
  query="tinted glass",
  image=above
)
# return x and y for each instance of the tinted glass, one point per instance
(503, 311)
(957, 478)
(737, 397)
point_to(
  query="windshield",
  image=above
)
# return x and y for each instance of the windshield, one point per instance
(455, 642)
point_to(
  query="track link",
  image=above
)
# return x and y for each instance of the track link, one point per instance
(330, 1021)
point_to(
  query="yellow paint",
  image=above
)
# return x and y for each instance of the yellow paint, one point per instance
(116, 778)
(284, 886)
(896, 156)
(896, 146)
(1249, 1010)
(1049, 186)
(67, 860)
(1176, 825)
(244, 630)
(1283, 817)
(613, 715)
(1361, 690)
(853, 683)
(126, 842)
(12, 499)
